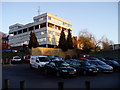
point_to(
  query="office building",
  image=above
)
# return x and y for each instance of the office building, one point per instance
(47, 28)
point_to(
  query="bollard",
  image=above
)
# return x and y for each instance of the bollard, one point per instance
(60, 85)
(22, 85)
(7, 84)
(87, 84)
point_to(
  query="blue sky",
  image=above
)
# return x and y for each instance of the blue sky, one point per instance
(99, 18)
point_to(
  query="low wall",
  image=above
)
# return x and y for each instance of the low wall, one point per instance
(40, 51)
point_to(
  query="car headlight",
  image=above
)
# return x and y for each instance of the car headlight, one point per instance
(97, 69)
(74, 70)
(64, 71)
(90, 69)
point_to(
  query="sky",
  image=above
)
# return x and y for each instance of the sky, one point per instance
(99, 18)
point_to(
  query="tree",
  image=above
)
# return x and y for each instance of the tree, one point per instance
(85, 42)
(62, 41)
(69, 40)
(106, 43)
(33, 41)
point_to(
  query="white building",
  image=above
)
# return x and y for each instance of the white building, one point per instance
(47, 28)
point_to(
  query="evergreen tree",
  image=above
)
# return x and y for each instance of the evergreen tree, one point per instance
(69, 40)
(62, 42)
(33, 41)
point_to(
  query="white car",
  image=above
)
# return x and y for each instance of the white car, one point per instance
(38, 61)
(16, 59)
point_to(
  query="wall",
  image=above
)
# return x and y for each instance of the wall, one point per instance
(110, 54)
(52, 51)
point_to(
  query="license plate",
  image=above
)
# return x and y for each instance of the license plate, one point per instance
(71, 72)
(94, 71)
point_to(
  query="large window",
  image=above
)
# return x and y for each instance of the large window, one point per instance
(42, 39)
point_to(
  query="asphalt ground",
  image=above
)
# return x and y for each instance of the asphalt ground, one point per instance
(38, 79)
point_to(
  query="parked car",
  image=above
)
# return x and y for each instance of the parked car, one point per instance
(38, 61)
(15, 59)
(82, 59)
(101, 58)
(53, 57)
(60, 68)
(114, 64)
(26, 58)
(70, 60)
(103, 67)
(84, 67)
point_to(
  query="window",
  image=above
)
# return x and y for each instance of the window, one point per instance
(24, 30)
(43, 25)
(49, 17)
(30, 28)
(36, 27)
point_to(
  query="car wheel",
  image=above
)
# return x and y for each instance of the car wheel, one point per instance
(38, 67)
(84, 72)
(58, 74)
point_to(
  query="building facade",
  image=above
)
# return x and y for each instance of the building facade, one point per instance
(47, 28)
(4, 41)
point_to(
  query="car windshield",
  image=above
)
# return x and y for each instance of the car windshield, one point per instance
(115, 62)
(86, 63)
(101, 59)
(101, 63)
(61, 64)
(44, 59)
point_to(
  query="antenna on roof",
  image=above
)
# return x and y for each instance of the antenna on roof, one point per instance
(38, 10)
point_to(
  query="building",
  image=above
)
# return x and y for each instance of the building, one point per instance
(47, 28)
(4, 41)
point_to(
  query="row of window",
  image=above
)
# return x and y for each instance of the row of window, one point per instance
(54, 33)
(60, 22)
(16, 27)
(39, 40)
(40, 19)
(41, 33)
(19, 38)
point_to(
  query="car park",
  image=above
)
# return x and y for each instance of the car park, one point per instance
(103, 67)
(38, 61)
(15, 59)
(60, 68)
(84, 67)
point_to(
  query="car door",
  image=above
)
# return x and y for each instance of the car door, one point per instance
(52, 67)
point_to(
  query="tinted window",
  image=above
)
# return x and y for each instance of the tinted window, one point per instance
(93, 63)
(61, 64)
(44, 59)
(101, 63)
(115, 62)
